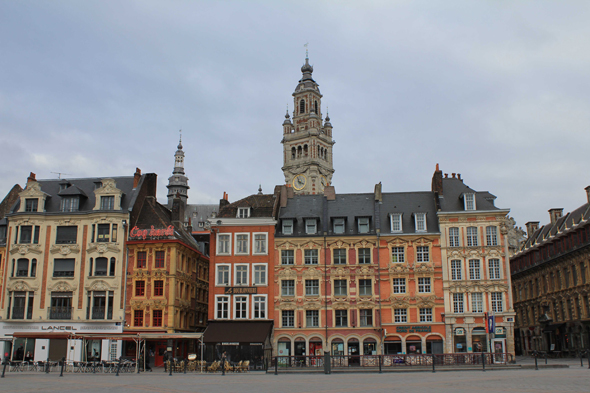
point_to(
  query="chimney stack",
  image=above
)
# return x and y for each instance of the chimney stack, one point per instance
(223, 201)
(555, 214)
(32, 177)
(378, 193)
(587, 193)
(437, 184)
(136, 177)
(531, 227)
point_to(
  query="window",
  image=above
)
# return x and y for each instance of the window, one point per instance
(471, 236)
(242, 243)
(31, 205)
(457, 303)
(223, 244)
(222, 274)
(312, 287)
(339, 256)
(474, 272)
(341, 318)
(364, 225)
(160, 258)
(26, 234)
(287, 227)
(364, 256)
(420, 222)
(491, 236)
(340, 288)
(288, 317)
(288, 287)
(469, 200)
(396, 222)
(260, 243)
(456, 270)
(259, 307)
(243, 212)
(287, 257)
(311, 226)
(497, 302)
(158, 288)
(365, 288)
(311, 257)
(339, 225)
(301, 106)
(422, 254)
(426, 315)
(138, 318)
(141, 259)
(454, 237)
(583, 274)
(61, 305)
(22, 267)
(64, 267)
(70, 204)
(423, 284)
(260, 274)
(494, 265)
(101, 266)
(399, 285)
(104, 232)
(241, 275)
(107, 202)
(241, 307)
(66, 235)
(400, 315)
(139, 288)
(397, 255)
(222, 306)
(366, 317)
(312, 318)
(157, 315)
(477, 302)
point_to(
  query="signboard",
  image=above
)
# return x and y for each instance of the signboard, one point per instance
(491, 323)
(241, 290)
(151, 233)
(499, 330)
(459, 332)
(413, 329)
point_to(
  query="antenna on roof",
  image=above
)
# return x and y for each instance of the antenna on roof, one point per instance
(61, 173)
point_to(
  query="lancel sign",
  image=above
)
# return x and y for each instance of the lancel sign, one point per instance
(137, 233)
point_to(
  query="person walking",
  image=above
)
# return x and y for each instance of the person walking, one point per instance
(223, 359)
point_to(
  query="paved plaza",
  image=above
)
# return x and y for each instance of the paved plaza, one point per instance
(572, 379)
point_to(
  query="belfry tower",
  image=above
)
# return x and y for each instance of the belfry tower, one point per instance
(307, 143)
(178, 182)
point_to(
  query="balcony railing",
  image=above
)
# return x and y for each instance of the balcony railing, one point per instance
(60, 313)
(99, 313)
(17, 313)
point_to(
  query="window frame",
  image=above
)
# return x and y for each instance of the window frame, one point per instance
(245, 303)
(469, 201)
(314, 318)
(400, 315)
(399, 283)
(217, 282)
(223, 300)
(474, 273)
(288, 258)
(256, 274)
(157, 260)
(287, 288)
(393, 217)
(424, 285)
(311, 259)
(340, 318)
(362, 285)
(228, 243)
(339, 287)
(342, 251)
(287, 223)
(498, 303)
(157, 288)
(458, 303)
(243, 212)
(399, 252)
(472, 238)
(364, 221)
(420, 222)
(494, 272)
(31, 205)
(256, 241)
(289, 316)
(368, 317)
(454, 238)
(243, 274)
(491, 235)
(454, 270)
(422, 254)
(312, 290)
(311, 226)
(477, 302)
(107, 202)
(338, 222)
(425, 315)
(362, 259)
(256, 300)
(236, 241)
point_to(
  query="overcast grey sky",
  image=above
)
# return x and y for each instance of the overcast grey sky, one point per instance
(498, 91)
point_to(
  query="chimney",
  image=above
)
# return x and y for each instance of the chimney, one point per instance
(136, 177)
(459, 176)
(378, 193)
(223, 201)
(437, 185)
(189, 227)
(453, 174)
(531, 227)
(330, 193)
(555, 214)
(177, 211)
(587, 193)
(32, 177)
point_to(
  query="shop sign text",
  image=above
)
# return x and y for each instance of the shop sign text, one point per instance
(137, 233)
(413, 329)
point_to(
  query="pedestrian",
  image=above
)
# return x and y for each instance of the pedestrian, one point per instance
(223, 358)
(20, 353)
(166, 361)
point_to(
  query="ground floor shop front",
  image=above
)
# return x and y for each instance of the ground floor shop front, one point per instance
(560, 339)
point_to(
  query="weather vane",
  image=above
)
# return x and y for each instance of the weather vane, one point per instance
(180, 135)
(306, 53)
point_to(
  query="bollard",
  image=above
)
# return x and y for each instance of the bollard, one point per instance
(276, 366)
(536, 365)
(545, 357)
(581, 358)
(94, 367)
(47, 366)
(433, 370)
(185, 362)
(4, 369)
(63, 362)
(170, 368)
(119, 365)
(222, 366)
(483, 361)
(380, 364)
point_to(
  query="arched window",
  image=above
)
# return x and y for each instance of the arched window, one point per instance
(316, 107)
(299, 149)
(319, 151)
(302, 106)
(293, 153)
(305, 150)
(112, 267)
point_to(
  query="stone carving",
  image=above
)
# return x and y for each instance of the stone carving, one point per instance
(399, 301)
(312, 272)
(62, 286)
(24, 249)
(398, 268)
(288, 273)
(100, 285)
(20, 286)
(65, 249)
(102, 248)
(424, 268)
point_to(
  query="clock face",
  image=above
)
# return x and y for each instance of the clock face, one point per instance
(299, 182)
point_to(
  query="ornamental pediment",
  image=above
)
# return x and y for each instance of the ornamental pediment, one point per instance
(22, 286)
(365, 271)
(364, 243)
(312, 305)
(424, 268)
(398, 268)
(63, 286)
(338, 305)
(100, 285)
(399, 301)
(102, 248)
(397, 242)
(340, 271)
(312, 272)
(288, 273)
(24, 249)
(339, 244)
(311, 245)
(285, 245)
(427, 301)
(365, 304)
(64, 249)
(422, 241)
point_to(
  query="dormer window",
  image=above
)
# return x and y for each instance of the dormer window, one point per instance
(243, 212)
(31, 205)
(107, 202)
(363, 223)
(469, 201)
(420, 221)
(70, 204)
(339, 225)
(396, 222)
(311, 226)
(287, 227)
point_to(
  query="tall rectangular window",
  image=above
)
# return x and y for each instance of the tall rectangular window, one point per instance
(422, 254)
(491, 236)
(243, 212)
(222, 275)
(241, 307)
(31, 204)
(223, 244)
(287, 257)
(312, 287)
(363, 225)
(141, 259)
(474, 271)
(471, 236)
(456, 269)
(160, 258)
(26, 234)
(365, 287)
(426, 315)
(366, 317)
(241, 274)
(70, 204)
(397, 255)
(242, 244)
(399, 285)
(396, 222)
(364, 256)
(288, 318)
(259, 307)
(107, 202)
(400, 315)
(138, 318)
(339, 256)
(288, 287)
(458, 303)
(158, 288)
(340, 288)
(338, 225)
(103, 233)
(477, 302)
(469, 201)
(311, 257)
(260, 274)
(341, 318)
(312, 318)
(454, 237)
(424, 284)
(222, 307)
(497, 305)
(494, 269)
(260, 243)
(287, 227)
(139, 288)
(420, 222)
(311, 226)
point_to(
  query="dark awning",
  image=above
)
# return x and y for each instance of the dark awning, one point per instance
(239, 332)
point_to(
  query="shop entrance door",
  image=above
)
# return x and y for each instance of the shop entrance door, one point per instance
(354, 352)
(499, 348)
(58, 349)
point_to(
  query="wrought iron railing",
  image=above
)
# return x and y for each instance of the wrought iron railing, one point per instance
(60, 313)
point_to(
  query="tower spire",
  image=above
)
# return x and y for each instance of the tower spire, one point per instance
(178, 182)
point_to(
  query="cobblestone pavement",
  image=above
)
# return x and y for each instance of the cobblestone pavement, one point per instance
(572, 379)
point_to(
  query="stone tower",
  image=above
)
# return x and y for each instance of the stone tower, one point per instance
(307, 143)
(178, 182)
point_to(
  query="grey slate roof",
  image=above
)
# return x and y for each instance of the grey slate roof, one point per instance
(451, 200)
(200, 212)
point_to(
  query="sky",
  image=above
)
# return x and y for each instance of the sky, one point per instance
(498, 91)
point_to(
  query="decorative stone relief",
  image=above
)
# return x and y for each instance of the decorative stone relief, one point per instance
(24, 249)
(63, 286)
(65, 249)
